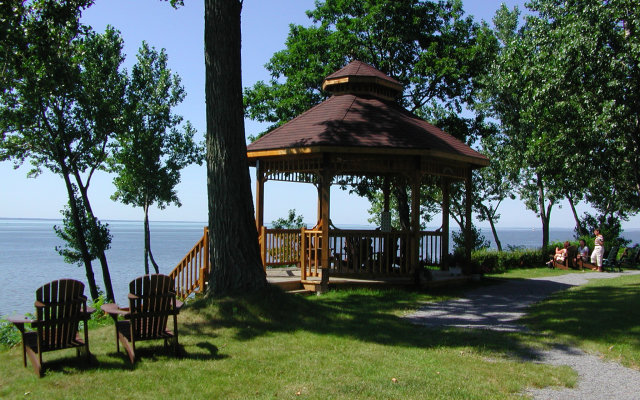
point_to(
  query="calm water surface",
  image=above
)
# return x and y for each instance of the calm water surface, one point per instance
(28, 258)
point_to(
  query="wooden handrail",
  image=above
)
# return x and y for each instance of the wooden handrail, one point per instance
(352, 251)
(192, 272)
(280, 247)
(310, 255)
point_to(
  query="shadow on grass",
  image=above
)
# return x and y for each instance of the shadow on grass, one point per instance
(604, 314)
(363, 315)
(68, 364)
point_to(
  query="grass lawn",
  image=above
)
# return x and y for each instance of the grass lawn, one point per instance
(341, 345)
(525, 273)
(601, 317)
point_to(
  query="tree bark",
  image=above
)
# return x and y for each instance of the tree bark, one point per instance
(106, 275)
(82, 241)
(236, 265)
(147, 244)
(490, 217)
(402, 202)
(579, 229)
(545, 213)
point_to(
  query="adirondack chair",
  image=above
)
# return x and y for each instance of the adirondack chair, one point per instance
(60, 306)
(610, 262)
(152, 300)
(630, 257)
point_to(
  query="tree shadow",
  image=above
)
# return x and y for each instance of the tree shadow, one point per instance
(598, 313)
(357, 315)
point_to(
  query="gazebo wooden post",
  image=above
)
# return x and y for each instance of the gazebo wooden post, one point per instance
(259, 197)
(446, 201)
(386, 191)
(325, 202)
(467, 236)
(415, 224)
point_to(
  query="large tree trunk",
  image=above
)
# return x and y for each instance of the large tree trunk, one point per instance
(236, 265)
(402, 202)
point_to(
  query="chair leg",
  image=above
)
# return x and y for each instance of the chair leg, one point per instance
(117, 341)
(128, 347)
(24, 353)
(36, 360)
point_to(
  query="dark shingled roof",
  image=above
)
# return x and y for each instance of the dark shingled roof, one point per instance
(358, 68)
(363, 122)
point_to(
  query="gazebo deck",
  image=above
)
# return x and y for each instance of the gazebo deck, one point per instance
(288, 278)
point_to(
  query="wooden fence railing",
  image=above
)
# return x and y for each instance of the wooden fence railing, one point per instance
(352, 252)
(430, 248)
(192, 273)
(311, 253)
(357, 252)
(362, 252)
(280, 247)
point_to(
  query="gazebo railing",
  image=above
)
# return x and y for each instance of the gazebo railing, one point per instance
(430, 248)
(310, 256)
(280, 247)
(351, 252)
(192, 272)
(358, 252)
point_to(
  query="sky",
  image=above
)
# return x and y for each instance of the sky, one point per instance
(265, 25)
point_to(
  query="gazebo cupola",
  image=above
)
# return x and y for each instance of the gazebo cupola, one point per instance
(361, 79)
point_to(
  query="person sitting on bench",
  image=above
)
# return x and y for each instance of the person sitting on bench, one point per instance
(583, 252)
(560, 255)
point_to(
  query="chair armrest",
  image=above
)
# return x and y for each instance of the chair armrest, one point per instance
(20, 320)
(90, 310)
(113, 310)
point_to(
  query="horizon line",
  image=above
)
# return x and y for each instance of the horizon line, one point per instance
(205, 223)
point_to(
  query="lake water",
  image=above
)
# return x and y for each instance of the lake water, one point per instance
(28, 258)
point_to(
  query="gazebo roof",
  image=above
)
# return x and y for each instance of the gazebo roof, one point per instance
(362, 123)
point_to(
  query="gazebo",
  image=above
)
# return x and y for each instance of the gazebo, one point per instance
(360, 132)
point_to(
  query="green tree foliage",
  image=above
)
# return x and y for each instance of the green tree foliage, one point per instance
(478, 242)
(292, 221)
(492, 184)
(430, 47)
(60, 101)
(152, 149)
(98, 238)
(563, 90)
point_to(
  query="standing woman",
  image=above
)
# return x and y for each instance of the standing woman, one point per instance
(598, 250)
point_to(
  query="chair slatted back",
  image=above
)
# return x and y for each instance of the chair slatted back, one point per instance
(572, 253)
(613, 254)
(152, 300)
(59, 306)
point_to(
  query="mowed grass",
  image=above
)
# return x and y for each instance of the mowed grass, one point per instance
(602, 317)
(527, 273)
(342, 345)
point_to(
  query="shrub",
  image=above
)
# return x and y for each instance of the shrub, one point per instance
(9, 334)
(500, 261)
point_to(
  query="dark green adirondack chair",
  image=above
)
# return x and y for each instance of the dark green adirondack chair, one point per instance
(610, 262)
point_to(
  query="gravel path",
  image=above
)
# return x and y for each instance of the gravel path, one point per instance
(499, 308)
